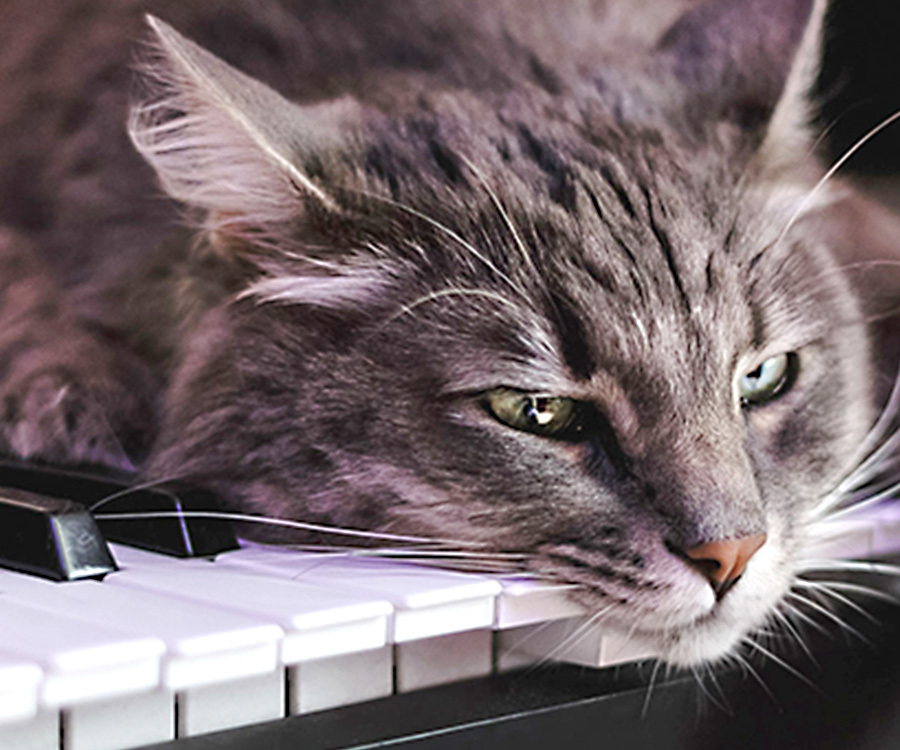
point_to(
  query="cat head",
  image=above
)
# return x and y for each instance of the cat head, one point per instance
(596, 323)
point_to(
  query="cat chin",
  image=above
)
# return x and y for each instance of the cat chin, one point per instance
(717, 629)
(710, 638)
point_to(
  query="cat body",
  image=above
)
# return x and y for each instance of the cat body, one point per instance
(534, 278)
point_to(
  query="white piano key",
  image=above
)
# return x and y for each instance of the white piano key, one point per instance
(82, 661)
(428, 602)
(572, 640)
(130, 557)
(450, 608)
(576, 640)
(449, 658)
(318, 622)
(227, 705)
(120, 724)
(203, 646)
(340, 680)
(348, 630)
(524, 601)
(616, 648)
(523, 646)
(41, 732)
(20, 681)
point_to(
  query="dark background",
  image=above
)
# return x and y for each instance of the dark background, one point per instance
(860, 81)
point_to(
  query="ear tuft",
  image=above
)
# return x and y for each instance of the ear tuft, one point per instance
(225, 143)
(788, 134)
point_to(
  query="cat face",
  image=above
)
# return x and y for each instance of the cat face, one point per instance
(533, 325)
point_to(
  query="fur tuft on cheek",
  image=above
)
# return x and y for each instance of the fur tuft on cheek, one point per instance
(348, 289)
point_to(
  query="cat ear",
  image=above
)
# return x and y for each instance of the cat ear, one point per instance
(225, 143)
(752, 62)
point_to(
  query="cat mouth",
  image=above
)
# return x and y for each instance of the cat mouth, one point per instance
(670, 609)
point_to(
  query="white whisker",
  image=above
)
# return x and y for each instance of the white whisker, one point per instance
(698, 678)
(455, 292)
(805, 618)
(888, 412)
(823, 588)
(283, 522)
(576, 637)
(517, 238)
(447, 231)
(781, 663)
(864, 472)
(856, 566)
(149, 485)
(797, 636)
(646, 707)
(821, 609)
(887, 121)
(868, 591)
(745, 663)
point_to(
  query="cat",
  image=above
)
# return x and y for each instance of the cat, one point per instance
(546, 280)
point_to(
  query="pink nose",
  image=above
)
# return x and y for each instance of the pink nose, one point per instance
(723, 561)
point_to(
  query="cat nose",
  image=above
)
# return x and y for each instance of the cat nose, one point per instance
(723, 561)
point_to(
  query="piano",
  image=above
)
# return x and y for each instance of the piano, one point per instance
(243, 645)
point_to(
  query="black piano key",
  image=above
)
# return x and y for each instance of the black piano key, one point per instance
(50, 537)
(107, 495)
(180, 534)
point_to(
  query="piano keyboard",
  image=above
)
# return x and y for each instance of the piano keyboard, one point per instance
(165, 648)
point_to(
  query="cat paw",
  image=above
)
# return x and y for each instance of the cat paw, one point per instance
(54, 417)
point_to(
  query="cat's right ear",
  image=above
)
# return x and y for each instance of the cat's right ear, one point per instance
(752, 63)
(229, 145)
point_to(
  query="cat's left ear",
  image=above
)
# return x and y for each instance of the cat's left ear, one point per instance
(754, 63)
(227, 144)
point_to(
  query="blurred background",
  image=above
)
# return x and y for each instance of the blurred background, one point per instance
(860, 82)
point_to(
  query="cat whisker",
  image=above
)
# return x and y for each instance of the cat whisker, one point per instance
(862, 473)
(834, 519)
(781, 663)
(823, 588)
(474, 562)
(855, 566)
(532, 633)
(745, 663)
(845, 157)
(826, 510)
(451, 292)
(653, 675)
(785, 621)
(792, 610)
(548, 585)
(517, 238)
(149, 485)
(467, 554)
(444, 229)
(707, 671)
(888, 471)
(827, 613)
(282, 522)
(573, 639)
(860, 590)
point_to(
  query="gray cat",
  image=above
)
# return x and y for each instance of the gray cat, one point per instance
(551, 279)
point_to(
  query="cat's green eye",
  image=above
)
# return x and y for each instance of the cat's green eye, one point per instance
(552, 416)
(769, 380)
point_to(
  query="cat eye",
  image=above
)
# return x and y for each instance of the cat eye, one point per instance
(769, 380)
(551, 416)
